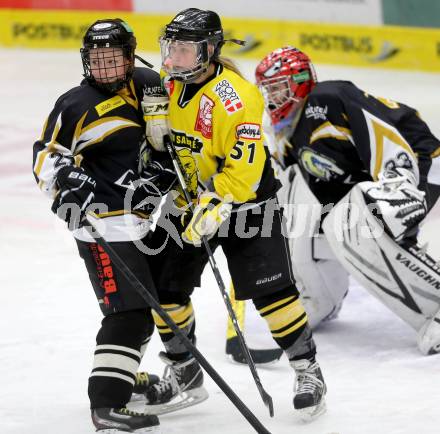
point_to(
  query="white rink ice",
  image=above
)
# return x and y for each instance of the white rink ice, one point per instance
(378, 381)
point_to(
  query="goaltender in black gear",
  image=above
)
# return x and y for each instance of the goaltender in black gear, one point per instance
(89, 153)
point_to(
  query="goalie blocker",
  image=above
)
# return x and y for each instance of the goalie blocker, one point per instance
(403, 277)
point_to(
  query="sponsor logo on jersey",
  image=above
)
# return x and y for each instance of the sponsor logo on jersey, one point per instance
(183, 140)
(316, 112)
(153, 90)
(319, 166)
(204, 117)
(248, 131)
(109, 104)
(228, 96)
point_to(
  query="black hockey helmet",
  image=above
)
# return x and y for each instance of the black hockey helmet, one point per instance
(201, 27)
(113, 34)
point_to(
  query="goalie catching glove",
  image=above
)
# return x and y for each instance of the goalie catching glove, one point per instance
(209, 213)
(76, 193)
(155, 109)
(399, 203)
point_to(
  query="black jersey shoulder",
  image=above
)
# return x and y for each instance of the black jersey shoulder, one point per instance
(334, 90)
(147, 82)
(78, 100)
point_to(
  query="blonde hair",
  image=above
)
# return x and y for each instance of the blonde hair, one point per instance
(229, 64)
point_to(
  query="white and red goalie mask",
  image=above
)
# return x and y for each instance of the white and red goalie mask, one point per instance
(285, 77)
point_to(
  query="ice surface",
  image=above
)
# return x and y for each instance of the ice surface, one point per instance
(378, 381)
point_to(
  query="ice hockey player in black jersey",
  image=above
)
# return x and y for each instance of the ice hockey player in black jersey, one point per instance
(88, 159)
(368, 170)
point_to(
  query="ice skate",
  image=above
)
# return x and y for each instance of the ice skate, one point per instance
(180, 387)
(143, 382)
(428, 339)
(123, 420)
(309, 389)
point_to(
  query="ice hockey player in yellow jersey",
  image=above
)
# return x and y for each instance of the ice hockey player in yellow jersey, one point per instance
(215, 122)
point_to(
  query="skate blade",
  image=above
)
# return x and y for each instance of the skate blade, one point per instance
(186, 399)
(428, 339)
(311, 413)
(137, 397)
(146, 430)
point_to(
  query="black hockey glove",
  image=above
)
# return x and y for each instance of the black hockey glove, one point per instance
(157, 172)
(76, 193)
(157, 178)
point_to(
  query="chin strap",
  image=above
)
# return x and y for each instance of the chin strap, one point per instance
(144, 61)
(236, 41)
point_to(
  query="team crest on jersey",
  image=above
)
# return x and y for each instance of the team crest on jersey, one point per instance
(248, 131)
(316, 112)
(401, 160)
(228, 96)
(189, 166)
(204, 117)
(183, 140)
(319, 166)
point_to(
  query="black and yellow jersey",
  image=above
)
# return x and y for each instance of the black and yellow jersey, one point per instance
(217, 132)
(345, 135)
(102, 133)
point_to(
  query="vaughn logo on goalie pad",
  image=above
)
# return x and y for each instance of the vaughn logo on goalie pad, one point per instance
(417, 270)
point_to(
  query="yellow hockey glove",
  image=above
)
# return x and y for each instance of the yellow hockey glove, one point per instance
(210, 212)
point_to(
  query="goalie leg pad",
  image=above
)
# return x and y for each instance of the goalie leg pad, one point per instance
(406, 280)
(322, 281)
(428, 339)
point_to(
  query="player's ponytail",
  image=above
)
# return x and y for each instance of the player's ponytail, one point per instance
(229, 64)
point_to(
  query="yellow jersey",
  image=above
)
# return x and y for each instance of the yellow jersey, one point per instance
(217, 132)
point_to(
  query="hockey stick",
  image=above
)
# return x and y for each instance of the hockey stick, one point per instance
(267, 399)
(154, 304)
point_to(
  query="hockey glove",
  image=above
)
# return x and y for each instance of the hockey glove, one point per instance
(157, 172)
(155, 109)
(75, 194)
(157, 178)
(399, 203)
(210, 212)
